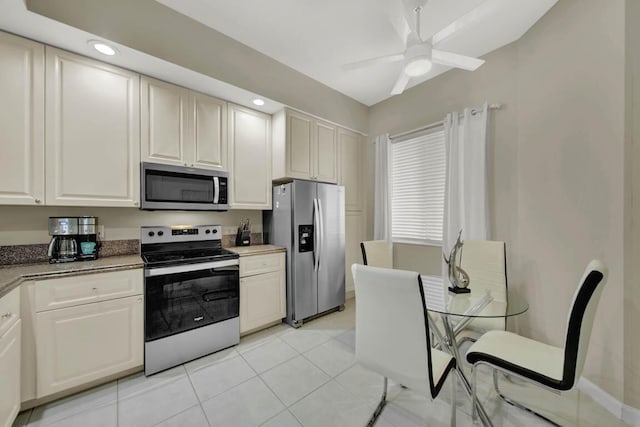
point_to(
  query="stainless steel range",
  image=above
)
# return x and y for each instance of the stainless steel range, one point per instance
(192, 294)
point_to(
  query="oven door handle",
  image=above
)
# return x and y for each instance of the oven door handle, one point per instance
(184, 268)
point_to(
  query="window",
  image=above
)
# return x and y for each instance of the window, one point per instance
(418, 169)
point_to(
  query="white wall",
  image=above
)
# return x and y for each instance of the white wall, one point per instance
(556, 178)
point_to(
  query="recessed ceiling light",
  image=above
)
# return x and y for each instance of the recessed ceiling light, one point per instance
(103, 48)
(258, 101)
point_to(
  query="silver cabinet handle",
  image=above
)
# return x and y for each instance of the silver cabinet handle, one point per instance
(135, 203)
(37, 200)
(7, 315)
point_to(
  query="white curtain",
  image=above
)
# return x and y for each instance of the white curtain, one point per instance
(382, 201)
(466, 196)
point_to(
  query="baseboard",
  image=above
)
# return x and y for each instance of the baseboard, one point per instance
(631, 415)
(626, 413)
(349, 294)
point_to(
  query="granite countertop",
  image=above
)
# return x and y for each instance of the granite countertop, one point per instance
(256, 249)
(12, 276)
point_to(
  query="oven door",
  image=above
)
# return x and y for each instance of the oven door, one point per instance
(185, 297)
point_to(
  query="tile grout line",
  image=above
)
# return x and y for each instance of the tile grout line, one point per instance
(197, 397)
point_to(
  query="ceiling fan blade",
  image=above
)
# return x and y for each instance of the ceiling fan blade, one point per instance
(401, 84)
(454, 60)
(485, 8)
(374, 61)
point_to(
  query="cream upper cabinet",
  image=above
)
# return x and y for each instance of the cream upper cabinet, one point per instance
(304, 147)
(21, 121)
(326, 152)
(351, 168)
(164, 115)
(249, 158)
(182, 127)
(92, 132)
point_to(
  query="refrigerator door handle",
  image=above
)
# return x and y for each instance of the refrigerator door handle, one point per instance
(316, 229)
(321, 235)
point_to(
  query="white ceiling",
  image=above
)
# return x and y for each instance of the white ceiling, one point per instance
(15, 18)
(318, 37)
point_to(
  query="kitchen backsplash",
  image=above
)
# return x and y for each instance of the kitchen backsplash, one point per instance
(27, 254)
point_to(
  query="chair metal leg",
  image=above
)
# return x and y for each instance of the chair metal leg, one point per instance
(518, 404)
(378, 411)
(474, 396)
(453, 400)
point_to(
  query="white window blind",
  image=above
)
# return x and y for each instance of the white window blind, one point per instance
(418, 169)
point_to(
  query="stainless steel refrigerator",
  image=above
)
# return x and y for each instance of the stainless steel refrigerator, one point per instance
(308, 219)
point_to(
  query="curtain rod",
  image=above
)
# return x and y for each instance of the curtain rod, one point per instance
(474, 111)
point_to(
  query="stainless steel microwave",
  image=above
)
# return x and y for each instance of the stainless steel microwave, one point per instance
(167, 187)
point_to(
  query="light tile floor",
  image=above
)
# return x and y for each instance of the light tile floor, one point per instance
(283, 377)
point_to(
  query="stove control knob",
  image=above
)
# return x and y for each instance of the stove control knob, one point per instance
(160, 233)
(215, 230)
(151, 234)
(208, 231)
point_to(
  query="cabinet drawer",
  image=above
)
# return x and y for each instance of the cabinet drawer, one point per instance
(9, 309)
(258, 264)
(76, 290)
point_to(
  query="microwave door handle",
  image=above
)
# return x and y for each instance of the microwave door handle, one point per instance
(216, 190)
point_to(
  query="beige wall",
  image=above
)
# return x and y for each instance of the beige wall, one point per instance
(556, 177)
(150, 27)
(21, 225)
(632, 210)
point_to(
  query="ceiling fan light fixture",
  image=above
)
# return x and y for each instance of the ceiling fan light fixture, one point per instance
(418, 66)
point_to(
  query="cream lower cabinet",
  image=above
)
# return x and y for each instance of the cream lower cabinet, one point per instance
(85, 328)
(249, 158)
(92, 132)
(21, 121)
(76, 345)
(262, 291)
(10, 355)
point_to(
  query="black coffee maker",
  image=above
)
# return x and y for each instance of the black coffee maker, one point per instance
(87, 238)
(63, 246)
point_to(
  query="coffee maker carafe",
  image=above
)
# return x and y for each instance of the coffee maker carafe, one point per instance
(63, 246)
(87, 238)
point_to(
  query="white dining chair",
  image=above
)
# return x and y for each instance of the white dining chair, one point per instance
(377, 253)
(391, 334)
(485, 261)
(553, 368)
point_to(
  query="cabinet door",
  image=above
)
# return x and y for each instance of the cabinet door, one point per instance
(351, 169)
(80, 344)
(354, 234)
(10, 375)
(250, 158)
(93, 132)
(262, 300)
(164, 117)
(299, 137)
(209, 132)
(21, 121)
(326, 151)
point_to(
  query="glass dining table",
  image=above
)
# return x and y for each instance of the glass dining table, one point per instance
(459, 310)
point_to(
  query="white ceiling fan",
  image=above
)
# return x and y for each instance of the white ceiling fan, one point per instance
(419, 55)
